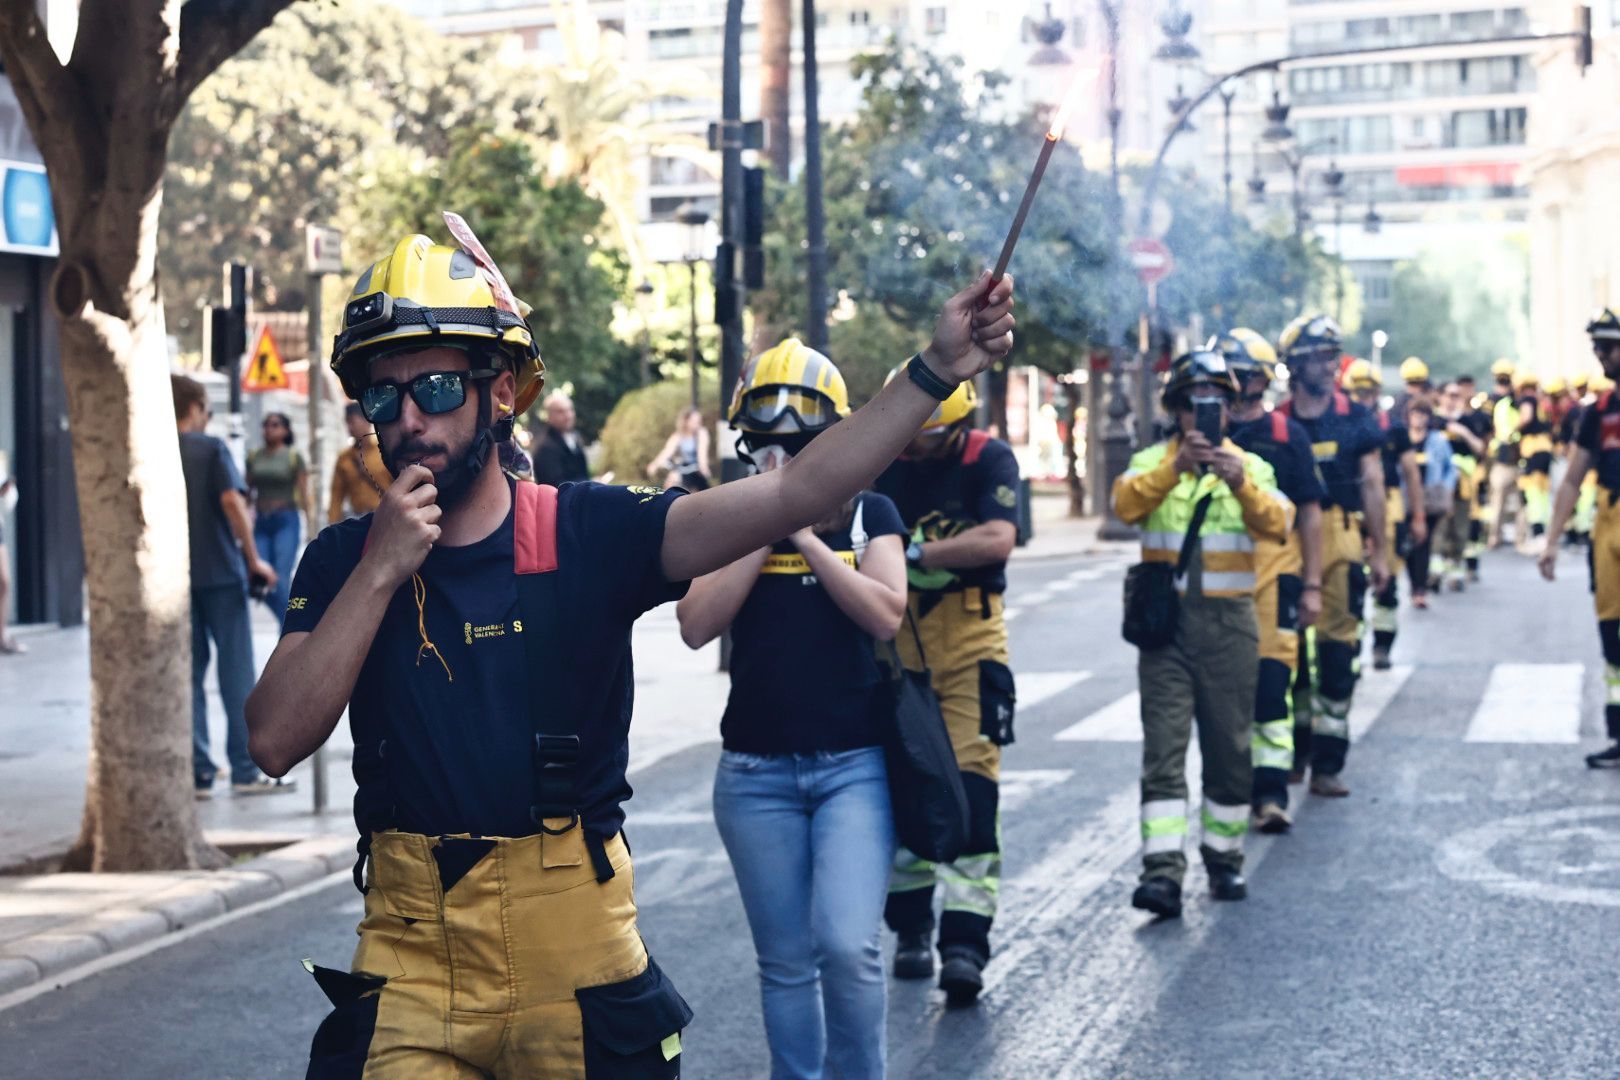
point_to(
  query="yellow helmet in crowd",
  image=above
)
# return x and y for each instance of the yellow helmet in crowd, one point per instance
(423, 294)
(1580, 381)
(789, 389)
(1502, 369)
(1602, 384)
(1554, 387)
(1246, 353)
(1525, 380)
(1360, 375)
(1414, 370)
(959, 407)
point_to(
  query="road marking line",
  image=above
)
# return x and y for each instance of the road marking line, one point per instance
(1037, 687)
(1373, 695)
(1530, 703)
(1035, 598)
(1009, 614)
(1118, 722)
(1018, 786)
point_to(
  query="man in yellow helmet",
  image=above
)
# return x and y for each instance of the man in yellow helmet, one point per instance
(1579, 531)
(477, 629)
(1288, 587)
(1345, 440)
(957, 491)
(1205, 506)
(1535, 458)
(1504, 448)
(1477, 419)
(1415, 379)
(1597, 446)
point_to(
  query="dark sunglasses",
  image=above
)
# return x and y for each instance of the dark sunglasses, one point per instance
(435, 392)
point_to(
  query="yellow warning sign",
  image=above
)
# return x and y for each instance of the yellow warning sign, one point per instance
(265, 370)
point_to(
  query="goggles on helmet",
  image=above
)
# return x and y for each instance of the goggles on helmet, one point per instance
(435, 392)
(784, 409)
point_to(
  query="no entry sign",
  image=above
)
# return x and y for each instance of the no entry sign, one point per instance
(1152, 260)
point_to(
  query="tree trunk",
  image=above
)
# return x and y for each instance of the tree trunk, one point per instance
(1071, 458)
(102, 123)
(996, 399)
(775, 83)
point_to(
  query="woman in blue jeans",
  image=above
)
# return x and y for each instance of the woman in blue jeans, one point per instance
(801, 797)
(278, 478)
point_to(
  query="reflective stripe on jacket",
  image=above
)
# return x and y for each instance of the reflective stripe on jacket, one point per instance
(1152, 494)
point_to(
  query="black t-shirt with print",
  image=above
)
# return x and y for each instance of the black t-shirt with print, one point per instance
(1397, 441)
(1599, 436)
(804, 677)
(944, 497)
(460, 732)
(1297, 475)
(1345, 433)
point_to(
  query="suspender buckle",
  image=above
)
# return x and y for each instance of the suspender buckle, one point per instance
(555, 759)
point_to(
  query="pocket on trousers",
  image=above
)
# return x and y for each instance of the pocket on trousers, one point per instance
(343, 1040)
(1290, 589)
(1356, 588)
(633, 1028)
(998, 698)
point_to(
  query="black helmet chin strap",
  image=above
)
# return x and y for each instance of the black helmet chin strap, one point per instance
(489, 434)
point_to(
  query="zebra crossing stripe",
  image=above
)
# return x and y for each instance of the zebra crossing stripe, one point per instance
(1118, 722)
(1036, 687)
(1530, 703)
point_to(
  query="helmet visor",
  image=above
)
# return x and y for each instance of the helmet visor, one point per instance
(785, 408)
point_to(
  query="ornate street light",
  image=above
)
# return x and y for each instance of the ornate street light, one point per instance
(1178, 105)
(1177, 24)
(1277, 129)
(695, 218)
(1373, 223)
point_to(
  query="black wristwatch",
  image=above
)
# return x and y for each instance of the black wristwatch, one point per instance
(914, 555)
(931, 384)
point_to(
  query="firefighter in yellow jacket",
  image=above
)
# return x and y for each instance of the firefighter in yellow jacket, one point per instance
(1216, 501)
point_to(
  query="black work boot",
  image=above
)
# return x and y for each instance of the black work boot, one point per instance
(1605, 759)
(1160, 895)
(961, 975)
(914, 955)
(1225, 883)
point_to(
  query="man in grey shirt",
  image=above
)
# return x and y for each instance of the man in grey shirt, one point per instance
(223, 558)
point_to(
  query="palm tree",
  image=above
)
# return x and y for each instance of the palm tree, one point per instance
(598, 123)
(775, 82)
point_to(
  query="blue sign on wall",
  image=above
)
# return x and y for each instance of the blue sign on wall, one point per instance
(25, 209)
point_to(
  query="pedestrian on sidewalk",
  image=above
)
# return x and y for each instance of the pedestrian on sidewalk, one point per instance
(9, 646)
(559, 452)
(1204, 504)
(223, 557)
(279, 482)
(359, 476)
(684, 458)
(957, 491)
(801, 797)
(478, 631)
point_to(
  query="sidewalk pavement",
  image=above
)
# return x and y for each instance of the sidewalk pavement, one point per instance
(52, 922)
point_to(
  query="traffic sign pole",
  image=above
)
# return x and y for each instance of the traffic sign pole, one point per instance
(323, 254)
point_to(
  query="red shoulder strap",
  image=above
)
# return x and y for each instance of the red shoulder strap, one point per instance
(976, 442)
(534, 528)
(1286, 408)
(1383, 421)
(1341, 403)
(1279, 427)
(1605, 401)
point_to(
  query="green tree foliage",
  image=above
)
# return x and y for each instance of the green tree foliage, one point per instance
(920, 190)
(297, 128)
(543, 235)
(644, 418)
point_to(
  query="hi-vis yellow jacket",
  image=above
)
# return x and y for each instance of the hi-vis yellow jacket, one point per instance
(1153, 494)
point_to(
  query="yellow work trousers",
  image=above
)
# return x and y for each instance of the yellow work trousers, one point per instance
(495, 957)
(1329, 665)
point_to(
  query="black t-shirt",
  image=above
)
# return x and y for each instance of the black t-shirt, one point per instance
(804, 677)
(1345, 433)
(1570, 423)
(209, 474)
(1600, 437)
(1537, 424)
(1297, 475)
(1397, 441)
(944, 497)
(459, 749)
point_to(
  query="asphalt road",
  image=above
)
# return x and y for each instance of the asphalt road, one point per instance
(1454, 917)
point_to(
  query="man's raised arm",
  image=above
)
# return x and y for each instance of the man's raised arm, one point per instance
(713, 528)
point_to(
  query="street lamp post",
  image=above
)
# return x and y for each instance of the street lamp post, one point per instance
(695, 219)
(1117, 441)
(644, 295)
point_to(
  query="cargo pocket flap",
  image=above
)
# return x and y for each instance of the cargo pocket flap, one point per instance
(633, 1016)
(343, 987)
(998, 699)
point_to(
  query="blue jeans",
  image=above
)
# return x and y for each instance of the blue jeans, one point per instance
(221, 613)
(811, 839)
(276, 536)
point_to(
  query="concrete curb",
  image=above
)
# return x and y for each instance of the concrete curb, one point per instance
(171, 906)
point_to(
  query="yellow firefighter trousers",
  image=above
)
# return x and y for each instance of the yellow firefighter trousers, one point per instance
(525, 966)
